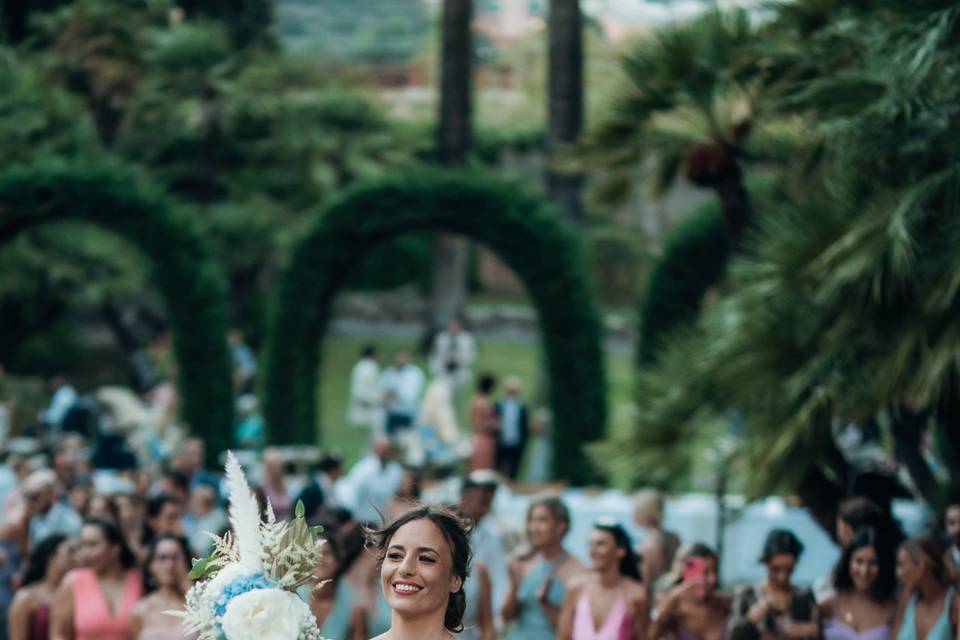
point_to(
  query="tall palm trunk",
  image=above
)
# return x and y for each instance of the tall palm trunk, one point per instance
(449, 281)
(565, 99)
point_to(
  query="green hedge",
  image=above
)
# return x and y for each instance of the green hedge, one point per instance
(693, 260)
(109, 194)
(543, 252)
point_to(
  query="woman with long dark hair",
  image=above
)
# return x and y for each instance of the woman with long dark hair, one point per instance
(932, 608)
(95, 602)
(166, 583)
(29, 615)
(776, 608)
(609, 602)
(424, 558)
(865, 585)
(694, 609)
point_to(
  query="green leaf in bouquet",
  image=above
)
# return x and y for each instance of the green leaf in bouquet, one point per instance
(300, 510)
(203, 568)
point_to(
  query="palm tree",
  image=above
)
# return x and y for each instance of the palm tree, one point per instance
(695, 98)
(565, 100)
(449, 280)
(842, 309)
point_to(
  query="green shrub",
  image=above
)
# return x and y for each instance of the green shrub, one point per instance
(542, 251)
(107, 193)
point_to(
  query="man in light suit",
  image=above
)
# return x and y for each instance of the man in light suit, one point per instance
(513, 429)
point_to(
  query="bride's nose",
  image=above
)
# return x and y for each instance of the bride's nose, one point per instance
(408, 565)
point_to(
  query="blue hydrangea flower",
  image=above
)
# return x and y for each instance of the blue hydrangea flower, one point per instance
(240, 586)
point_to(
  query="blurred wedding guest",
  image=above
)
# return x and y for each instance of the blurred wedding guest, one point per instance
(166, 585)
(608, 602)
(402, 385)
(408, 493)
(133, 510)
(485, 423)
(319, 490)
(244, 362)
(46, 513)
(103, 507)
(454, 350)
(487, 539)
(275, 484)
(203, 517)
(332, 601)
(514, 430)
(365, 407)
(929, 604)
(775, 608)
(694, 609)
(539, 579)
(865, 585)
(859, 512)
(80, 493)
(478, 618)
(439, 431)
(96, 602)
(951, 522)
(659, 546)
(17, 469)
(540, 447)
(853, 514)
(250, 432)
(189, 461)
(49, 561)
(164, 515)
(63, 397)
(373, 481)
(173, 483)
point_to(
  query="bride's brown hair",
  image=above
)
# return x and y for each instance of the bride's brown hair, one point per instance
(456, 530)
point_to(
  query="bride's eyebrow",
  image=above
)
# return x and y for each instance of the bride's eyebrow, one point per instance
(400, 547)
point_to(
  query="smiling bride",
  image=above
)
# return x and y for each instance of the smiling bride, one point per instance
(424, 558)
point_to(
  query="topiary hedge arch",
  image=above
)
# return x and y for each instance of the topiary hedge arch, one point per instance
(541, 250)
(108, 194)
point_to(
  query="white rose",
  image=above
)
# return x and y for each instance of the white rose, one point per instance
(263, 614)
(224, 577)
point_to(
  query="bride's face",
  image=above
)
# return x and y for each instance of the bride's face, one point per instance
(417, 575)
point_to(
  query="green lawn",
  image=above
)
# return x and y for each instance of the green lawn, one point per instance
(501, 357)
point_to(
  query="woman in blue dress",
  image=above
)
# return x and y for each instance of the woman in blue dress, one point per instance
(330, 598)
(538, 580)
(929, 606)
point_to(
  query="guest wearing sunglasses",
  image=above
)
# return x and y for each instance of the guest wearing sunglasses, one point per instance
(166, 583)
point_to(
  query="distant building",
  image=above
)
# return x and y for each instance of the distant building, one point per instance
(506, 20)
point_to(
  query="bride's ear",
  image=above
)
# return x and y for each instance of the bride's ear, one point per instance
(456, 583)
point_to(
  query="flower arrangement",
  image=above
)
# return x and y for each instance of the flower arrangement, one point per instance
(246, 588)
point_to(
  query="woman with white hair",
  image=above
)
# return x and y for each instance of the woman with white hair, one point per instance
(659, 546)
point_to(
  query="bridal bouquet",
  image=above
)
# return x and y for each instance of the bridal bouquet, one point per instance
(246, 588)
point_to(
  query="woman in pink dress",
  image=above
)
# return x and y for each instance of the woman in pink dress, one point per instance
(486, 425)
(95, 602)
(608, 602)
(168, 563)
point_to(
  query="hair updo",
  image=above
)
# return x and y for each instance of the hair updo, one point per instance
(456, 531)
